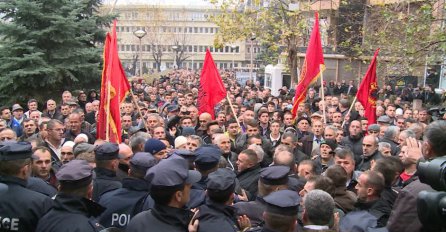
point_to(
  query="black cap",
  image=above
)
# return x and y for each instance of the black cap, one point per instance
(75, 174)
(221, 180)
(189, 155)
(208, 156)
(275, 175)
(12, 150)
(331, 143)
(283, 202)
(107, 151)
(142, 161)
(172, 172)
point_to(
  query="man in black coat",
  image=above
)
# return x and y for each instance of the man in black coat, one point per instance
(370, 152)
(171, 182)
(248, 172)
(107, 162)
(73, 210)
(217, 214)
(20, 208)
(124, 203)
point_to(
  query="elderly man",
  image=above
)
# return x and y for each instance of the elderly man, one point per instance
(369, 152)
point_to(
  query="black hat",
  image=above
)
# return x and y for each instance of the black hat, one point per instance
(154, 146)
(142, 161)
(221, 180)
(12, 150)
(330, 142)
(107, 151)
(283, 202)
(172, 172)
(208, 156)
(186, 154)
(75, 174)
(275, 175)
(172, 108)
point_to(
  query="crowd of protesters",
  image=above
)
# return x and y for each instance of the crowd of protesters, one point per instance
(251, 167)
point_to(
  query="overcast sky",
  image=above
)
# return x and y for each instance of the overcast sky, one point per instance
(161, 2)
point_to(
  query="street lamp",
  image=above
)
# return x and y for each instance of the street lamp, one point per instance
(253, 37)
(140, 34)
(233, 55)
(174, 48)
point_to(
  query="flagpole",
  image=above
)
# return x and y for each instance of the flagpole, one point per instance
(139, 110)
(233, 111)
(323, 94)
(349, 110)
(107, 113)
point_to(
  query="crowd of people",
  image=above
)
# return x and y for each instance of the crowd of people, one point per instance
(252, 166)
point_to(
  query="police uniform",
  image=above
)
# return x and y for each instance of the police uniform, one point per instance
(20, 208)
(168, 173)
(273, 175)
(106, 180)
(282, 202)
(124, 203)
(70, 212)
(187, 155)
(208, 157)
(215, 216)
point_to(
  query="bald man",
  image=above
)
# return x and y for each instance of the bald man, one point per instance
(123, 168)
(203, 119)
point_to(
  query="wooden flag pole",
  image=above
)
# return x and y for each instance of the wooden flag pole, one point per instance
(323, 95)
(349, 110)
(233, 111)
(139, 110)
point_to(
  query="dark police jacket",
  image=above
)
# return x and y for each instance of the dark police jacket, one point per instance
(217, 217)
(21, 208)
(124, 203)
(71, 214)
(253, 209)
(161, 218)
(105, 181)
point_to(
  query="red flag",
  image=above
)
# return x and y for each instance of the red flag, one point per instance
(114, 88)
(212, 90)
(311, 68)
(367, 91)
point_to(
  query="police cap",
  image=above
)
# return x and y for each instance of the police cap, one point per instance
(221, 180)
(185, 154)
(142, 160)
(107, 151)
(12, 150)
(208, 157)
(172, 172)
(275, 175)
(282, 202)
(75, 174)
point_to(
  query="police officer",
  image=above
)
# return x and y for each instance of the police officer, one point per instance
(187, 155)
(271, 179)
(124, 203)
(280, 212)
(73, 210)
(218, 214)
(208, 157)
(20, 208)
(106, 156)
(170, 186)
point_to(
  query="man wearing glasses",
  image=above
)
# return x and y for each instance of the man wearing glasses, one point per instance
(54, 141)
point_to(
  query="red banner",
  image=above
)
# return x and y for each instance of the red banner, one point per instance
(313, 65)
(114, 88)
(212, 90)
(367, 91)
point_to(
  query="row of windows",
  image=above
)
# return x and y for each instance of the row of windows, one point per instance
(187, 48)
(194, 30)
(186, 64)
(172, 16)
